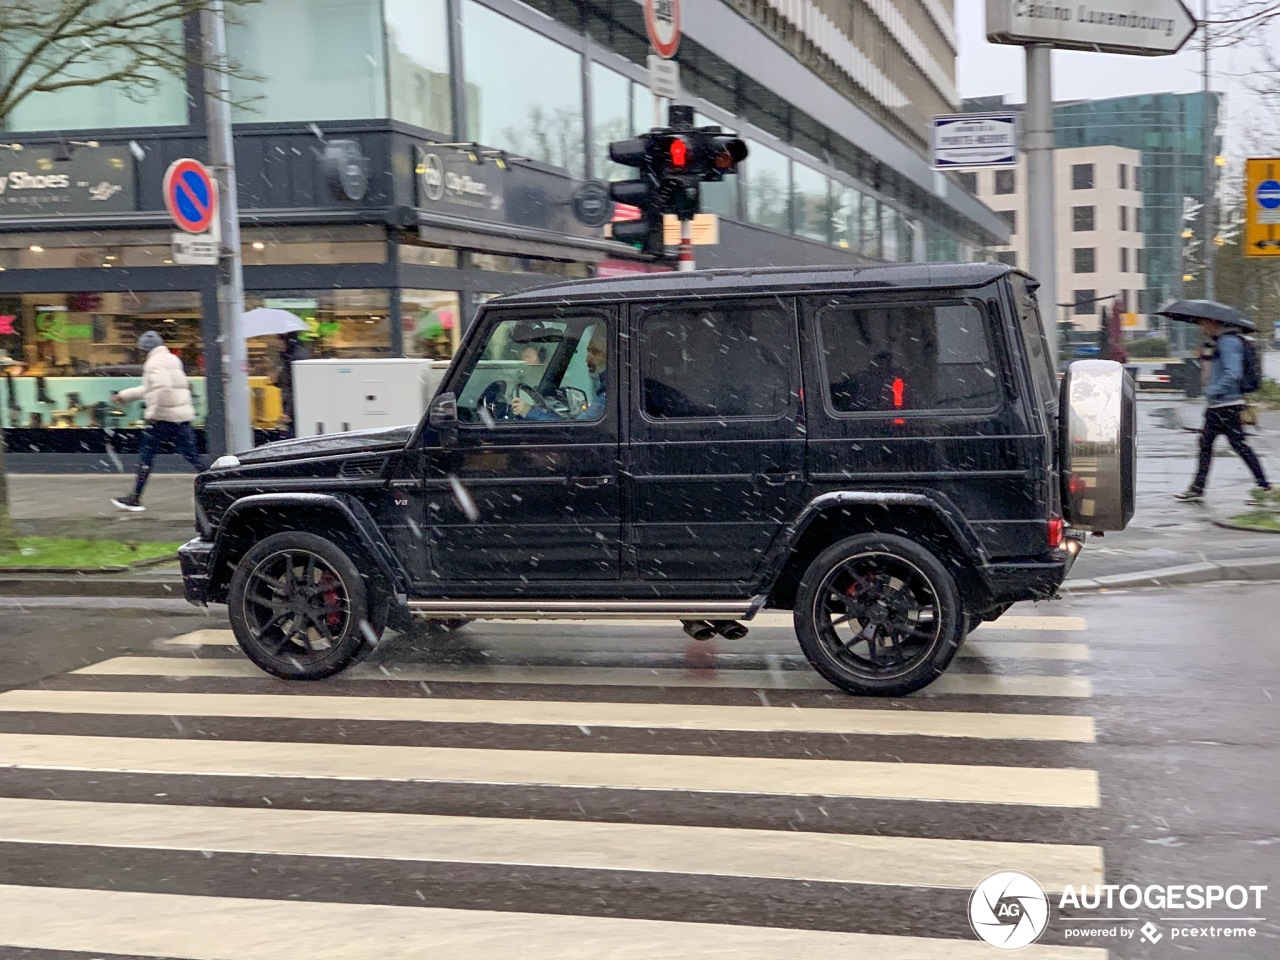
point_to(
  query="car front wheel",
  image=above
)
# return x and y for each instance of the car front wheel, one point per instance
(299, 608)
(879, 615)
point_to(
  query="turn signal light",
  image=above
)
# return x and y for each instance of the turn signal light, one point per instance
(1055, 532)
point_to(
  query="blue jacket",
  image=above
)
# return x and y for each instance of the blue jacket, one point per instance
(593, 412)
(1225, 373)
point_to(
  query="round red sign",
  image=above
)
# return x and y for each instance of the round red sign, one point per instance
(662, 20)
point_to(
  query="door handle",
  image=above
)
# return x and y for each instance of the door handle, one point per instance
(591, 481)
(777, 479)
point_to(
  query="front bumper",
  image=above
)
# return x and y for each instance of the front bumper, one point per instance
(196, 557)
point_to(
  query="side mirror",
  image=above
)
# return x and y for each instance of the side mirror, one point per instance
(443, 416)
(576, 400)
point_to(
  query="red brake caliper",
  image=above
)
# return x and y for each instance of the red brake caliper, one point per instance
(330, 594)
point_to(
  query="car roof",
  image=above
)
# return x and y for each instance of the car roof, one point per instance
(705, 283)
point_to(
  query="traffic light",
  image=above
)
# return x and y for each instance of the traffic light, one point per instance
(722, 152)
(679, 165)
(642, 193)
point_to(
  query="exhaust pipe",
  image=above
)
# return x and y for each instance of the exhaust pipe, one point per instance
(699, 629)
(729, 629)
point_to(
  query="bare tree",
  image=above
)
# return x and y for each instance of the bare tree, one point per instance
(47, 46)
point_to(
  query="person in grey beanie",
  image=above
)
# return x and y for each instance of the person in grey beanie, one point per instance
(168, 413)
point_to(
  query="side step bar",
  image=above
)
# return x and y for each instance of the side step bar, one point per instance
(588, 609)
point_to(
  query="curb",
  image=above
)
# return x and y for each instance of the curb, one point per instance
(49, 586)
(1253, 568)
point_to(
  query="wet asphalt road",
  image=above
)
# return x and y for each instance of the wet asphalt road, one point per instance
(534, 790)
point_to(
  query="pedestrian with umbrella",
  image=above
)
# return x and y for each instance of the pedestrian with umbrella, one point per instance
(1227, 368)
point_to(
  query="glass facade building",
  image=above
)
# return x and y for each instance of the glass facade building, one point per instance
(474, 122)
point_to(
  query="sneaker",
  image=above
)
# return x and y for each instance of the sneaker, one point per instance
(130, 503)
(1189, 496)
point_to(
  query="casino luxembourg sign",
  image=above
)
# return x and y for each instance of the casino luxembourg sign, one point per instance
(1143, 27)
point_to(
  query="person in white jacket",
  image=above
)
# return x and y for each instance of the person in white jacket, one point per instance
(167, 398)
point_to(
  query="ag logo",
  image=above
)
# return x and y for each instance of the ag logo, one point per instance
(431, 175)
(1008, 910)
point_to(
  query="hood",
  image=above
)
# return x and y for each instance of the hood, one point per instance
(384, 438)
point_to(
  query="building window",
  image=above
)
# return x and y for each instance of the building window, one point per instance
(716, 362)
(610, 118)
(1140, 260)
(1010, 217)
(811, 203)
(768, 183)
(1006, 181)
(1007, 257)
(901, 358)
(1084, 302)
(871, 238)
(1124, 177)
(846, 221)
(1124, 218)
(1137, 219)
(1082, 176)
(430, 321)
(162, 104)
(1083, 218)
(968, 180)
(333, 69)
(418, 51)
(541, 120)
(1084, 260)
(1137, 178)
(1124, 259)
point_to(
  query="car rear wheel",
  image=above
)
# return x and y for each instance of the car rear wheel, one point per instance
(878, 615)
(299, 608)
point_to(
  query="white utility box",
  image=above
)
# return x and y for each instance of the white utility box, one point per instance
(335, 396)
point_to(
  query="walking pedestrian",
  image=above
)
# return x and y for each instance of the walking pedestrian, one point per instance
(1222, 365)
(168, 414)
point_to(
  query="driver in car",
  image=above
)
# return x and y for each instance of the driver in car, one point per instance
(596, 356)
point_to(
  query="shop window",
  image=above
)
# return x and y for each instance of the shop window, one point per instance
(67, 251)
(422, 255)
(341, 324)
(163, 103)
(811, 202)
(312, 60)
(313, 245)
(539, 119)
(902, 358)
(418, 54)
(767, 184)
(431, 322)
(551, 268)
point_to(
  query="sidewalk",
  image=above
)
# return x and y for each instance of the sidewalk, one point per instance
(1167, 542)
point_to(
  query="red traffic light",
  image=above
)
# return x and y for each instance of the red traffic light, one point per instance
(679, 152)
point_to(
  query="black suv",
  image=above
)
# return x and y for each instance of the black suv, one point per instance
(886, 451)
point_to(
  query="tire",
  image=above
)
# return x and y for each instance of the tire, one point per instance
(899, 606)
(299, 607)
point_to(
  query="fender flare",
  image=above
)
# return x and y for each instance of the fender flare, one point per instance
(352, 511)
(938, 505)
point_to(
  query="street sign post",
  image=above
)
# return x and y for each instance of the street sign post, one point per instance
(664, 77)
(662, 22)
(195, 249)
(190, 195)
(1262, 207)
(974, 140)
(1158, 28)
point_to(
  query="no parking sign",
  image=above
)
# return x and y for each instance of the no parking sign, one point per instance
(190, 195)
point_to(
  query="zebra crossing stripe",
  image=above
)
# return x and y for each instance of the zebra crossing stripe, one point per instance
(542, 712)
(211, 928)
(951, 683)
(993, 648)
(718, 851)
(837, 778)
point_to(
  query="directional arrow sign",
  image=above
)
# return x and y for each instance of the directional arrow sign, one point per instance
(1154, 28)
(1262, 207)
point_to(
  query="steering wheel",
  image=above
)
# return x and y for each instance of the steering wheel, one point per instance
(535, 398)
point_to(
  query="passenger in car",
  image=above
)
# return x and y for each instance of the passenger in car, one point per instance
(597, 357)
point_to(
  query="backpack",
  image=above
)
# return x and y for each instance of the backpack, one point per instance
(1251, 376)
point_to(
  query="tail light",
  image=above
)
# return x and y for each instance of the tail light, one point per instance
(1055, 530)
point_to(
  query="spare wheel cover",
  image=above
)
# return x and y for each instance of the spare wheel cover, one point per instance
(1098, 445)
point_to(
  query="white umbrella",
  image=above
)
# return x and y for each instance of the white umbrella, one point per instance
(268, 321)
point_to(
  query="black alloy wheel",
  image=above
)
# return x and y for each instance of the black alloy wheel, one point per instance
(298, 607)
(879, 615)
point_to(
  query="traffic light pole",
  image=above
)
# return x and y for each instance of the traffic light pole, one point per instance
(686, 246)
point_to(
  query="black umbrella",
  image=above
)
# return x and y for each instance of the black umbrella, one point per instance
(1193, 311)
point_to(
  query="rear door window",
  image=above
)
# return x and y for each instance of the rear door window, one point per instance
(908, 357)
(718, 362)
(1043, 370)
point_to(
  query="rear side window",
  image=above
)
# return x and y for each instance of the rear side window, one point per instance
(905, 357)
(1033, 336)
(731, 360)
